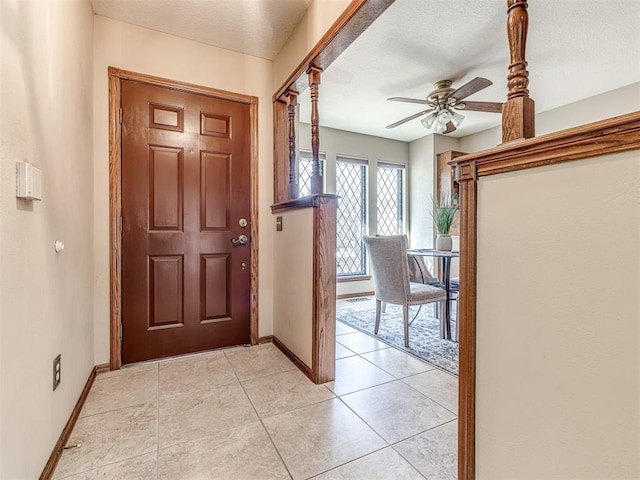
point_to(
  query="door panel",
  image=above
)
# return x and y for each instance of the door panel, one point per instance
(185, 185)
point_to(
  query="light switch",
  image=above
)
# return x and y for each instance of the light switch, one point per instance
(278, 224)
(28, 181)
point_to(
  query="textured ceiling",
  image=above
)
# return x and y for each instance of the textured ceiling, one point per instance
(575, 49)
(254, 27)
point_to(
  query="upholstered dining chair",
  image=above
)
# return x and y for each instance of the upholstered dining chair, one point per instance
(389, 265)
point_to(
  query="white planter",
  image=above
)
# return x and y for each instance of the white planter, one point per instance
(443, 242)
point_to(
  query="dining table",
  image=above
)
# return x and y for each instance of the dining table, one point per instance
(446, 257)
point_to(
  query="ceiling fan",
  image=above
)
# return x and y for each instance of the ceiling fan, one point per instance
(443, 103)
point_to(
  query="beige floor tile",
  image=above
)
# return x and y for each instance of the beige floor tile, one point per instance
(110, 437)
(355, 373)
(384, 464)
(396, 411)
(195, 415)
(252, 362)
(144, 467)
(195, 373)
(283, 392)
(316, 438)
(396, 362)
(360, 342)
(437, 385)
(342, 329)
(134, 386)
(343, 352)
(242, 453)
(434, 453)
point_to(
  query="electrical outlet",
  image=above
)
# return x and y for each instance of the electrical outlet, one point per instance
(57, 371)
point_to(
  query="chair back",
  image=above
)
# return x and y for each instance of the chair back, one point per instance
(388, 258)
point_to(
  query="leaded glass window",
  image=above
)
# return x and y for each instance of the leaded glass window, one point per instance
(390, 199)
(351, 187)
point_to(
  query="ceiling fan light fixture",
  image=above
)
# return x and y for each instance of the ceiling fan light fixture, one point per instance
(428, 121)
(456, 118)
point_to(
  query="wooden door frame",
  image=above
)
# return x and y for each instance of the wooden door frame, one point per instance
(116, 76)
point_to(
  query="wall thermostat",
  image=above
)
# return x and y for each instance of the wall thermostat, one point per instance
(28, 181)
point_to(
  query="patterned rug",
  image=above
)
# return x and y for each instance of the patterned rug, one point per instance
(424, 332)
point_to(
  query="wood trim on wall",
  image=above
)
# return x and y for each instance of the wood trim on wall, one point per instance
(54, 458)
(354, 295)
(350, 24)
(116, 75)
(324, 289)
(613, 135)
(467, 330)
(293, 357)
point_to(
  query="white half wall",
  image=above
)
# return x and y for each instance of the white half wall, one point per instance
(141, 50)
(45, 297)
(558, 314)
(293, 283)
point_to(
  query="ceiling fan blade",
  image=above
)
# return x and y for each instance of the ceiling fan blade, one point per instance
(408, 100)
(450, 128)
(492, 107)
(470, 88)
(405, 120)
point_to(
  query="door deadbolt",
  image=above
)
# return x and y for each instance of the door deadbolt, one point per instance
(242, 222)
(241, 240)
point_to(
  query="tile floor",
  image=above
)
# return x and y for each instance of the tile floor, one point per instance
(248, 413)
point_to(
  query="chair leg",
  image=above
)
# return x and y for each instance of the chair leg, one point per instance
(442, 319)
(378, 302)
(405, 318)
(384, 307)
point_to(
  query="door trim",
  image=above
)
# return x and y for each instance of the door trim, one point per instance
(116, 75)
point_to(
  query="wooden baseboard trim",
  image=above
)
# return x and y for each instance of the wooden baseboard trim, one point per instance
(355, 295)
(51, 464)
(102, 368)
(293, 357)
(266, 339)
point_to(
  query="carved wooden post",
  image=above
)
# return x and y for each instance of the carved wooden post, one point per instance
(518, 112)
(316, 180)
(294, 188)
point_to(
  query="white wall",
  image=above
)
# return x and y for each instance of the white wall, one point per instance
(334, 143)
(558, 367)
(610, 104)
(146, 51)
(293, 287)
(45, 307)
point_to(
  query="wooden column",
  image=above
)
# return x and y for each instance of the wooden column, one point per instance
(294, 188)
(518, 112)
(313, 74)
(468, 183)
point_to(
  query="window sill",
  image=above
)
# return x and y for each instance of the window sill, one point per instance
(353, 278)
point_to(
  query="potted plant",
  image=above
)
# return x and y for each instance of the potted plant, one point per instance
(444, 213)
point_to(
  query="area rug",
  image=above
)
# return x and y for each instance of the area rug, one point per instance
(424, 332)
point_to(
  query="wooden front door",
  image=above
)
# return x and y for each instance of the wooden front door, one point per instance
(185, 196)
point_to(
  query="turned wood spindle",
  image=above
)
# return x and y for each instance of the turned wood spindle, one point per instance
(314, 80)
(518, 112)
(294, 188)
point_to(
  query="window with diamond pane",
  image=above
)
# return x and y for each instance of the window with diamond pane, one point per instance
(390, 207)
(304, 171)
(351, 187)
